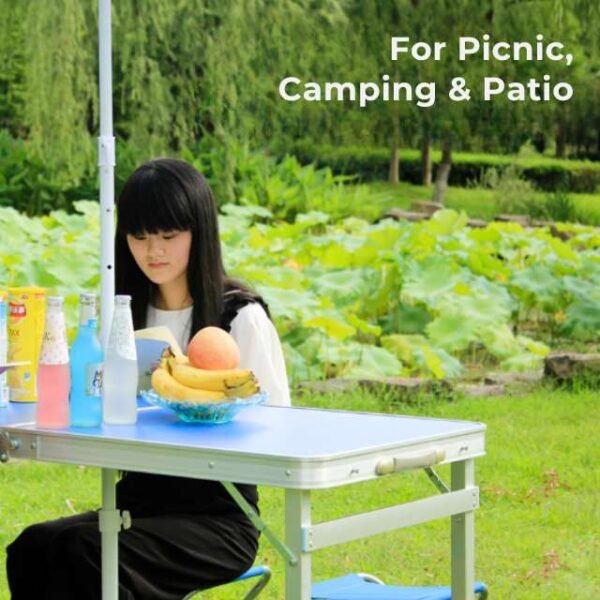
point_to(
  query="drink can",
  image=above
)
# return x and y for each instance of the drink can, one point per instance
(26, 312)
(4, 391)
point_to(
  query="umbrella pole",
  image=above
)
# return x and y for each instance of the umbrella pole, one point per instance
(109, 516)
(106, 164)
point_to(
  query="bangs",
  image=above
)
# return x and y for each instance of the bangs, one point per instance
(153, 201)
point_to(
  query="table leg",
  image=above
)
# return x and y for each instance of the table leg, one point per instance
(110, 524)
(463, 535)
(297, 517)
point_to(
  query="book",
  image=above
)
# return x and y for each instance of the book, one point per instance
(150, 343)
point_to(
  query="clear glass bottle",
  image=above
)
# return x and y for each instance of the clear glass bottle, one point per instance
(87, 360)
(120, 368)
(53, 375)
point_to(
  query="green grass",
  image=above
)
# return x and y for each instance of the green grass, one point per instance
(476, 202)
(536, 531)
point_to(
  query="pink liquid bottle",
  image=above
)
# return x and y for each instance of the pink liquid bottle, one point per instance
(53, 376)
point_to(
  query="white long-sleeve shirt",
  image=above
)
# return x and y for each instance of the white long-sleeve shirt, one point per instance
(256, 336)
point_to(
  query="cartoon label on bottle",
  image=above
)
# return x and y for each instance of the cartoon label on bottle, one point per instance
(93, 379)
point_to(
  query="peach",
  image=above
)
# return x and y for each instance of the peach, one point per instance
(213, 348)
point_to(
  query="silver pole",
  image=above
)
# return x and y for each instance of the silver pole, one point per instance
(109, 521)
(106, 164)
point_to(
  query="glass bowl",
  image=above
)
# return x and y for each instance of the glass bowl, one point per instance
(204, 412)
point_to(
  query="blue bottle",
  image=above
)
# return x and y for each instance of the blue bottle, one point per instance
(87, 360)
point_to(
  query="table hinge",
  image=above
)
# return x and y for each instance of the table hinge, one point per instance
(113, 520)
(437, 480)
(249, 511)
(7, 444)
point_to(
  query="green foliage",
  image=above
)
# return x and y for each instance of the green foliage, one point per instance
(31, 185)
(559, 206)
(58, 251)
(283, 186)
(353, 298)
(59, 84)
(12, 81)
(475, 201)
(185, 69)
(512, 193)
(436, 290)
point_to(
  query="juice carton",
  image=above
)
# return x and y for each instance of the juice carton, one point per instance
(4, 391)
(26, 313)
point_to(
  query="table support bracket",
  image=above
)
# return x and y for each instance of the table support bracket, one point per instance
(436, 480)
(113, 520)
(346, 529)
(256, 520)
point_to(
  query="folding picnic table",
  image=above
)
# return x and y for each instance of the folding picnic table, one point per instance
(298, 449)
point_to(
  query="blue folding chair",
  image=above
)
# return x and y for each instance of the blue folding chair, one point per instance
(361, 586)
(257, 571)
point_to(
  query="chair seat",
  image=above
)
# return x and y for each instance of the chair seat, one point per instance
(354, 587)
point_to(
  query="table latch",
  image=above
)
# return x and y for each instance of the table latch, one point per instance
(7, 444)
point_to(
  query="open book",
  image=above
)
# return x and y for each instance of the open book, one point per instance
(150, 344)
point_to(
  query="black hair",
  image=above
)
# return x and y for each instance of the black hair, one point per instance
(167, 194)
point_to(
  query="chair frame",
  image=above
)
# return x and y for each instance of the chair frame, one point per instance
(261, 571)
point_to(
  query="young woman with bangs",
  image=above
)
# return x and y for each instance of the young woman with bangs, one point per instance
(186, 534)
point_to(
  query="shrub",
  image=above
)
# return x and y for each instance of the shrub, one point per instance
(512, 193)
(559, 206)
(372, 164)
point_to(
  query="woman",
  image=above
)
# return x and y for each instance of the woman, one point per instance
(186, 534)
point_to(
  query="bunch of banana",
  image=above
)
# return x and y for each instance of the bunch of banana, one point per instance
(177, 379)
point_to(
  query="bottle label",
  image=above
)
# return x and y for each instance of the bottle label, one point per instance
(55, 350)
(93, 379)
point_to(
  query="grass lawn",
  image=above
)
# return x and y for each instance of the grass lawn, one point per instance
(477, 203)
(537, 531)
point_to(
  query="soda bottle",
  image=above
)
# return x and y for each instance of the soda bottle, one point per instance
(120, 367)
(87, 360)
(53, 377)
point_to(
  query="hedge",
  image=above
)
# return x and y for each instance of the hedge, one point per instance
(372, 164)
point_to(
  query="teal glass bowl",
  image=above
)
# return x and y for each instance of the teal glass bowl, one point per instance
(204, 412)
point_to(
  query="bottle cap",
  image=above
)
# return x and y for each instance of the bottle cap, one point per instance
(55, 301)
(88, 299)
(122, 299)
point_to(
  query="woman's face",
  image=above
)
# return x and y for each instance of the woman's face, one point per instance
(163, 257)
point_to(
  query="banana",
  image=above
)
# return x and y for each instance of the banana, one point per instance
(167, 386)
(246, 389)
(170, 354)
(218, 381)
